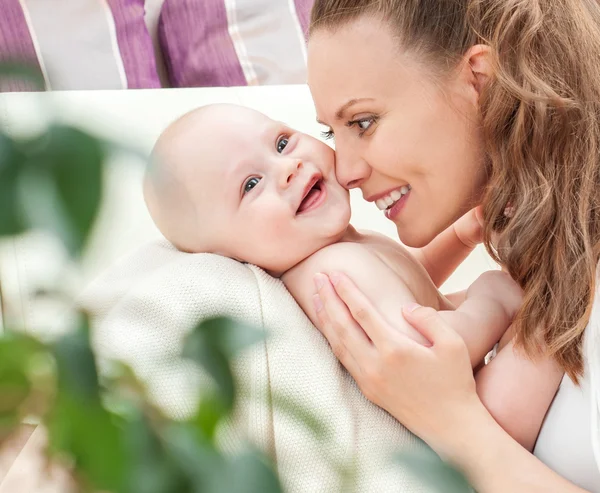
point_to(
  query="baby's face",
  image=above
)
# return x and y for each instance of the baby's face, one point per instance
(266, 194)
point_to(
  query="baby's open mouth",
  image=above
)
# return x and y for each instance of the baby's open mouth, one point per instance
(311, 197)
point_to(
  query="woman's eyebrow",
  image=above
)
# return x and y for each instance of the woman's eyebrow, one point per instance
(340, 113)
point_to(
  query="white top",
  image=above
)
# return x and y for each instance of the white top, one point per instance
(569, 441)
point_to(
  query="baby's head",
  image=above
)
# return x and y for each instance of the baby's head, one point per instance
(229, 180)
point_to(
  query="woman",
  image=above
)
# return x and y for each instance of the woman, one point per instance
(492, 102)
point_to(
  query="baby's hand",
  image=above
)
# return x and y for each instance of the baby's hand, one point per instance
(469, 228)
(499, 286)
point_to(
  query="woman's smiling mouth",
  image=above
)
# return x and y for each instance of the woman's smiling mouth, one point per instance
(388, 201)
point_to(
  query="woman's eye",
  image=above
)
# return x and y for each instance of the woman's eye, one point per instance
(364, 124)
(250, 184)
(282, 143)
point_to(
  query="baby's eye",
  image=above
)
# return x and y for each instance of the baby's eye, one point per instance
(250, 184)
(282, 143)
(327, 135)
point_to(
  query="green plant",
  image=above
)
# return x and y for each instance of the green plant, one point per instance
(106, 426)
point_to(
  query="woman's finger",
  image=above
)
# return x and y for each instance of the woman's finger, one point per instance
(340, 318)
(347, 340)
(429, 323)
(362, 310)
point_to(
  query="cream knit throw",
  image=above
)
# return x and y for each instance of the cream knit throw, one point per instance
(146, 303)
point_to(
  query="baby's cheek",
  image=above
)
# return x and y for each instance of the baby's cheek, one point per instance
(275, 231)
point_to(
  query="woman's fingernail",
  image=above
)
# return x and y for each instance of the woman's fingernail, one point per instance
(319, 281)
(317, 302)
(335, 278)
(411, 307)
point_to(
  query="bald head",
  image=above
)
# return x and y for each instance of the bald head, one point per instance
(181, 168)
(165, 191)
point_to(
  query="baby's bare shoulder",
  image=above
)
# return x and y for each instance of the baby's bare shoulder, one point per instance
(353, 259)
(334, 257)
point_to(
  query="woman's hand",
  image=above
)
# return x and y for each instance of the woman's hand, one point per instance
(428, 389)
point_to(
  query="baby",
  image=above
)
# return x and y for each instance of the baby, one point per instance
(228, 180)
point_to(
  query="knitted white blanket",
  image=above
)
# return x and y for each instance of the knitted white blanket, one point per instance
(146, 303)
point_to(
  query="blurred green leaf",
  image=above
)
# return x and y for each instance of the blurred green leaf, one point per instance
(78, 173)
(231, 336)
(301, 414)
(200, 462)
(63, 183)
(76, 364)
(251, 473)
(11, 220)
(211, 411)
(17, 352)
(79, 426)
(15, 387)
(205, 351)
(212, 343)
(92, 438)
(25, 71)
(9, 422)
(434, 473)
(151, 470)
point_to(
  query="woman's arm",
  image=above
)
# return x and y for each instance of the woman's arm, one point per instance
(492, 461)
(431, 390)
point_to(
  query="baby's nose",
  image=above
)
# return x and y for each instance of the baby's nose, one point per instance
(292, 171)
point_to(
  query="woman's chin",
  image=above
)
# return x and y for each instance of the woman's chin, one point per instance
(414, 239)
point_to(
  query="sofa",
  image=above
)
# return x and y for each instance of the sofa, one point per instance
(137, 44)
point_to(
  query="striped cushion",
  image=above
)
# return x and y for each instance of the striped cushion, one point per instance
(234, 42)
(79, 44)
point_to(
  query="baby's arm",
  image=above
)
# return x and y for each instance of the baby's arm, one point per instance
(489, 307)
(450, 248)
(516, 390)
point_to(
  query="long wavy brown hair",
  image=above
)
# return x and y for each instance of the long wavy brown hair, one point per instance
(541, 124)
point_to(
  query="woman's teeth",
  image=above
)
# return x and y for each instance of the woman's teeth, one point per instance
(390, 199)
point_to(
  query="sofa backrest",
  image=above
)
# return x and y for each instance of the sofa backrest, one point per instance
(140, 44)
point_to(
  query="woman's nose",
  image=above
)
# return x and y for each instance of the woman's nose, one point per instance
(351, 170)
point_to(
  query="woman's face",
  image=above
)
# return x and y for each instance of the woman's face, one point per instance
(397, 128)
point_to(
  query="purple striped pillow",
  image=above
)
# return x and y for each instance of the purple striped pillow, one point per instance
(227, 43)
(83, 44)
